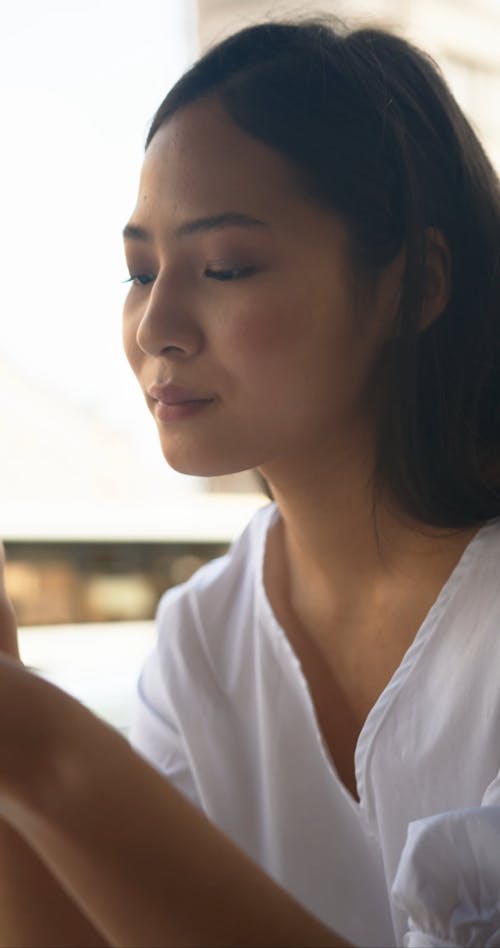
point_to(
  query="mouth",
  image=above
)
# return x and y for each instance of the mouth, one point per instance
(173, 402)
(176, 411)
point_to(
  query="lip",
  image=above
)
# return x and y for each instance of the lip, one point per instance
(170, 394)
(175, 402)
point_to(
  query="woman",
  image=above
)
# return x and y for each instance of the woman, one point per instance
(315, 294)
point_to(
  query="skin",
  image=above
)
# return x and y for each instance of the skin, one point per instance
(294, 355)
(8, 623)
(285, 350)
(90, 835)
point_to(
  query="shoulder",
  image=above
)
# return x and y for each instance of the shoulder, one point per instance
(219, 598)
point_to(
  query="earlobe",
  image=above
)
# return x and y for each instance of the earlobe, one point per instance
(438, 269)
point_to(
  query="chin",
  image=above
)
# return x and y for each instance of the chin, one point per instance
(206, 467)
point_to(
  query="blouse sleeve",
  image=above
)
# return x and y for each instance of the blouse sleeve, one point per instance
(448, 878)
(155, 733)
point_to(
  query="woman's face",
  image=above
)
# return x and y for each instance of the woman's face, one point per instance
(245, 302)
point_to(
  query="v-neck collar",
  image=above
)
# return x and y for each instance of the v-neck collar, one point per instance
(378, 713)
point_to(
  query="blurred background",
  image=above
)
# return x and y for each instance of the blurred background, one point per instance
(96, 526)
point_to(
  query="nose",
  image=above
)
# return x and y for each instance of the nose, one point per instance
(168, 325)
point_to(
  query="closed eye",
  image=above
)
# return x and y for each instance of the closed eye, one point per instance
(142, 279)
(139, 279)
(226, 275)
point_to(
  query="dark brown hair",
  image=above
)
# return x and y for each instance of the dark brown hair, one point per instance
(374, 133)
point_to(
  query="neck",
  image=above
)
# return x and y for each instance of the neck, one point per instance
(327, 540)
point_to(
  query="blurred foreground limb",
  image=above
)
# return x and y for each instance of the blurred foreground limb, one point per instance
(140, 862)
(34, 909)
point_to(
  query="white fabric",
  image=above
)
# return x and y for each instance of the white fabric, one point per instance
(225, 713)
(448, 879)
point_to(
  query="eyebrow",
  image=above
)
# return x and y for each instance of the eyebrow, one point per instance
(199, 225)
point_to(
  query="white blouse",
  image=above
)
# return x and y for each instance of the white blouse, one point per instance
(225, 713)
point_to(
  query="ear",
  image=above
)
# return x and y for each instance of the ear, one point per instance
(438, 267)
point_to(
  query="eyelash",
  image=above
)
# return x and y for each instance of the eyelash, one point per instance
(222, 275)
(139, 277)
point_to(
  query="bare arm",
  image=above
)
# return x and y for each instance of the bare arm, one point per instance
(34, 909)
(143, 864)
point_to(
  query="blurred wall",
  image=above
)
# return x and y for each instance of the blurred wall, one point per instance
(50, 582)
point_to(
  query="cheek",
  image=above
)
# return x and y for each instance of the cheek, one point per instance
(274, 356)
(268, 332)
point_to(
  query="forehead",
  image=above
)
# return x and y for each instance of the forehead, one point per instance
(199, 160)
